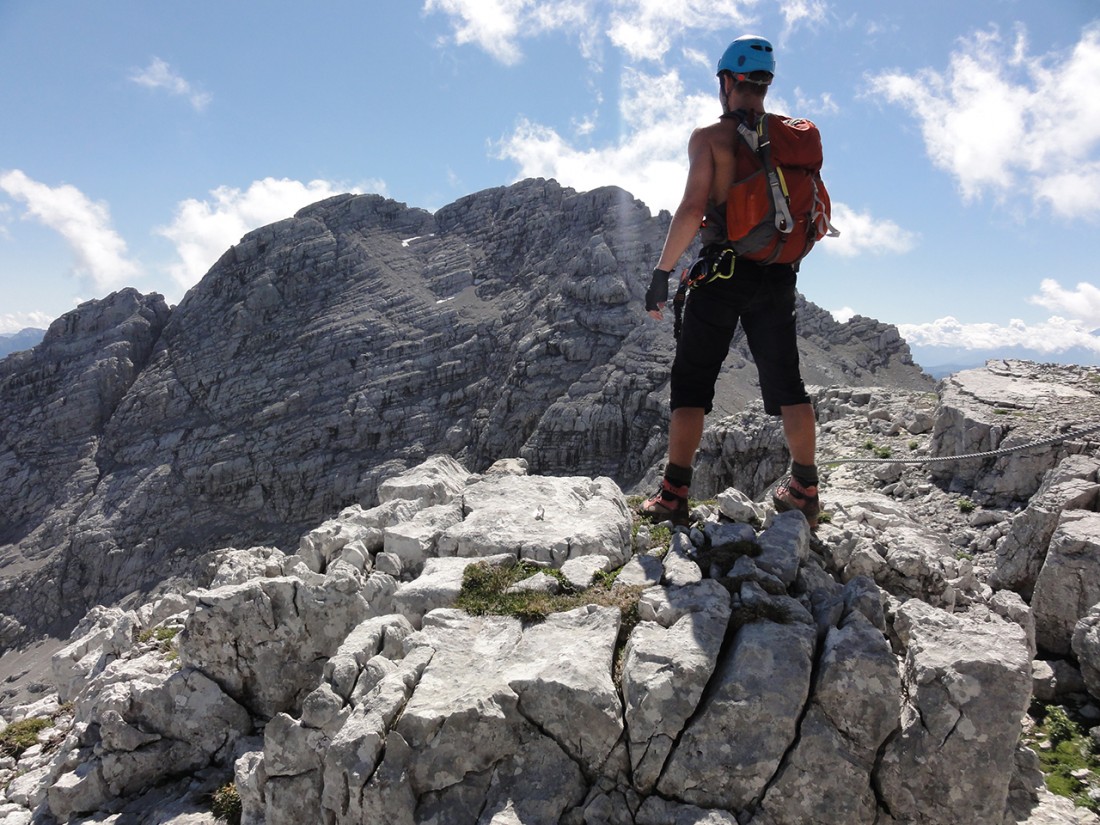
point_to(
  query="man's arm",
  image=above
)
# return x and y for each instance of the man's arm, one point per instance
(693, 204)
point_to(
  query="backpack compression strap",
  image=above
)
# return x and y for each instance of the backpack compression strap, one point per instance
(759, 142)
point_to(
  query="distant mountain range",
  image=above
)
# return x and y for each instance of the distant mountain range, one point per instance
(15, 341)
(942, 361)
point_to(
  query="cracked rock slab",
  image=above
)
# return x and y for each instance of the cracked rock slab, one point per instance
(968, 684)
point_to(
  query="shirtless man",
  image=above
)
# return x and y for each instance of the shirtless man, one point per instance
(760, 297)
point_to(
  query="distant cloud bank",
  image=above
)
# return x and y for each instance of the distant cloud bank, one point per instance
(1049, 337)
(11, 322)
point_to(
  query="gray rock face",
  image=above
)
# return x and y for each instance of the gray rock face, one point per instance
(1071, 485)
(325, 353)
(1006, 404)
(56, 401)
(960, 675)
(765, 688)
(1086, 647)
(1069, 583)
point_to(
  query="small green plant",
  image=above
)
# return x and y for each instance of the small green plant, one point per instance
(484, 592)
(882, 452)
(162, 635)
(868, 444)
(966, 505)
(18, 736)
(962, 555)
(226, 804)
(1059, 726)
(913, 445)
(824, 517)
(1066, 756)
(660, 536)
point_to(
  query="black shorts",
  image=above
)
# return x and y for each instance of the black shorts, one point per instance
(762, 299)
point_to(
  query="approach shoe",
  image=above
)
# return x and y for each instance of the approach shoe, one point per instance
(790, 494)
(669, 503)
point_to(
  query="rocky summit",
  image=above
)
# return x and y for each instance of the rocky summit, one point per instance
(345, 537)
(327, 352)
(505, 647)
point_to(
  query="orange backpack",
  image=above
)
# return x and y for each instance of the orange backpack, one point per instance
(776, 213)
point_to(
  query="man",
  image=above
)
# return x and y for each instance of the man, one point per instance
(760, 297)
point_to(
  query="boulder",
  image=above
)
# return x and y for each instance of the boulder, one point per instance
(265, 642)
(1086, 647)
(506, 514)
(1069, 583)
(968, 684)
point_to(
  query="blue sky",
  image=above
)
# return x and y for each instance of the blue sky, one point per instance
(962, 140)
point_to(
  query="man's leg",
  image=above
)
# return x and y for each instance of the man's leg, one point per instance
(800, 429)
(799, 491)
(685, 430)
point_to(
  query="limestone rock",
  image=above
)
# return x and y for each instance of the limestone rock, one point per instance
(505, 514)
(1071, 485)
(1069, 583)
(265, 642)
(666, 667)
(734, 743)
(1086, 647)
(968, 684)
(1004, 404)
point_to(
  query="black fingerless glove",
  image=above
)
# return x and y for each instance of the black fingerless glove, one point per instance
(657, 293)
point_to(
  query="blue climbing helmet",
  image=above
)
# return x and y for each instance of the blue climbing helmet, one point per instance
(748, 53)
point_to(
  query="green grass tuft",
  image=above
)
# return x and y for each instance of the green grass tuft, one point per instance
(226, 804)
(18, 736)
(483, 594)
(1063, 750)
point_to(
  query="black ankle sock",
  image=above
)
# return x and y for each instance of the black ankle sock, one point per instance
(805, 474)
(677, 475)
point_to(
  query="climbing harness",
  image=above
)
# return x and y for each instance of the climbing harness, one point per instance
(715, 263)
(988, 454)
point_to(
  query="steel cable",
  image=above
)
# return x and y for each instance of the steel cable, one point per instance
(988, 454)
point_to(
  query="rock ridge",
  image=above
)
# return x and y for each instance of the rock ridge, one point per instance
(326, 352)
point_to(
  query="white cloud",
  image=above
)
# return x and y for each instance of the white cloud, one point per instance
(18, 321)
(203, 230)
(650, 159)
(1002, 120)
(814, 107)
(796, 12)
(497, 25)
(85, 224)
(862, 233)
(1082, 303)
(842, 315)
(159, 75)
(644, 29)
(1056, 334)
